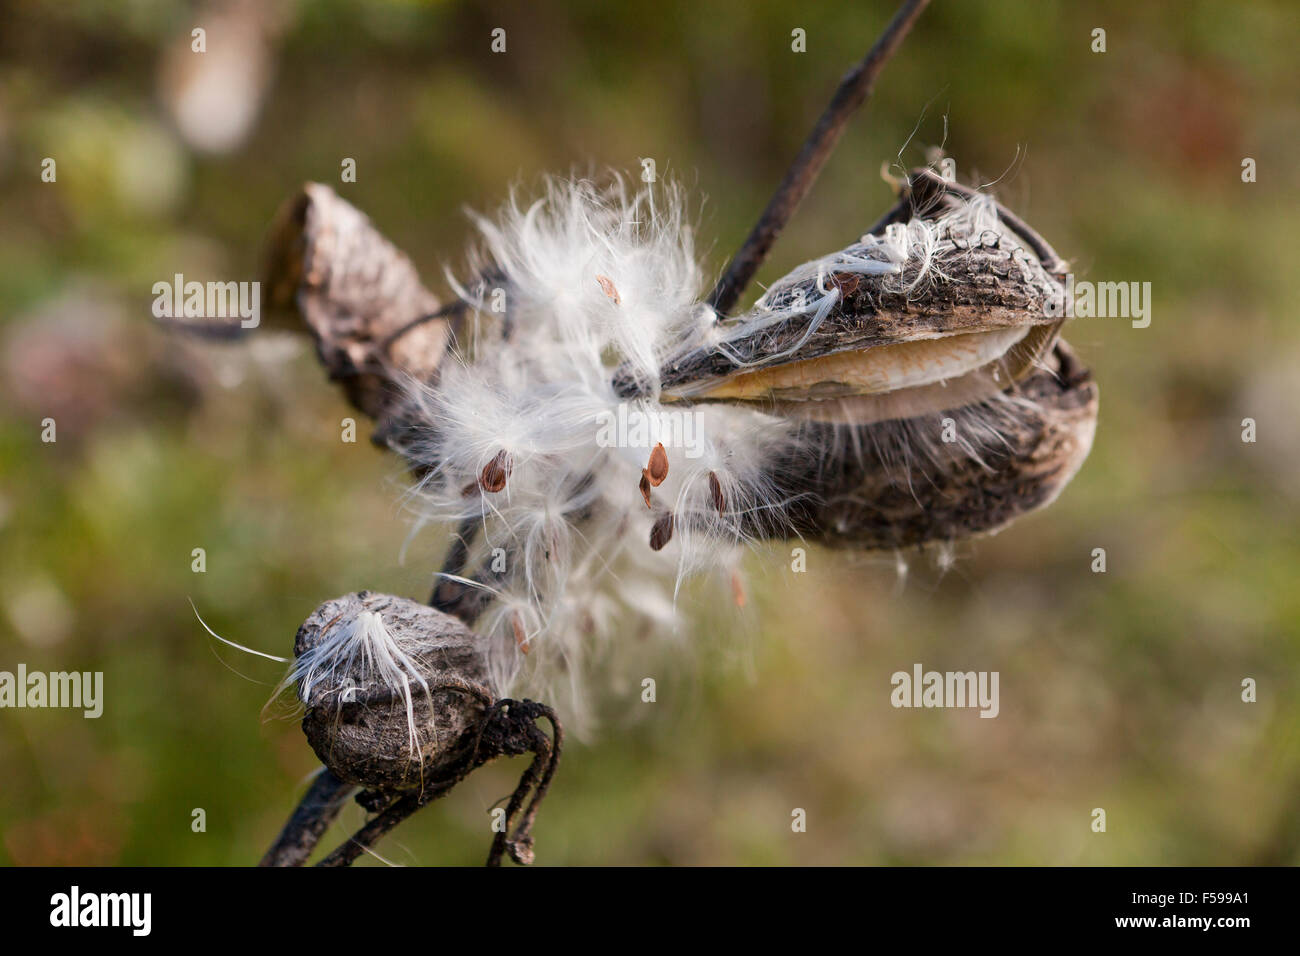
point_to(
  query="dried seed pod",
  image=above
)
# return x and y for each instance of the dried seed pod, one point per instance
(494, 474)
(949, 309)
(941, 311)
(856, 501)
(657, 470)
(355, 291)
(661, 532)
(361, 659)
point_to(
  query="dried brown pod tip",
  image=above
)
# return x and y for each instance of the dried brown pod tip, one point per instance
(357, 294)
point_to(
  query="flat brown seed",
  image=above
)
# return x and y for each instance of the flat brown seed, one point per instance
(607, 286)
(496, 472)
(644, 485)
(662, 532)
(470, 489)
(737, 589)
(521, 638)
(715, 489)
(657, 470)
(846, 282)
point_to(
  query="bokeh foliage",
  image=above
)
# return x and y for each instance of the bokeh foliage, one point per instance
(1119, 690)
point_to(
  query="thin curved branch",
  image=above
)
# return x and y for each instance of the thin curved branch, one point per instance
(851, 93)
(309, 821)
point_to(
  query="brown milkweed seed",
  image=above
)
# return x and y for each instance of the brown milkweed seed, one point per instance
(715, 489)
(607, 286)
(521, 638)
(846, 282)
(657, 470)
(662, 531)
(737, 589)
(644, 485)
(496, 472)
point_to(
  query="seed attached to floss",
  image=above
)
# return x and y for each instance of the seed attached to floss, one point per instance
(737, 589)
(607, 286)
(662, 531)
(657, 470)
(715, 489)
(846, 282)
(495, 472)
(521, 637)
(644, 485)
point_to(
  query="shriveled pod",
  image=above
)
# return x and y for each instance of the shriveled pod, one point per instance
(397, 700)
(394, 691)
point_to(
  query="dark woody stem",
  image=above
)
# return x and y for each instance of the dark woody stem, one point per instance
(312, 817)
(799, 178)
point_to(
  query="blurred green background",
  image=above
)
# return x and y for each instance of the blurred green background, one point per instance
(1119, 690)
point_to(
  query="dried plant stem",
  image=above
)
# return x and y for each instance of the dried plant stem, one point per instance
(309, 821)
(374, 831)
(509, 729)
(851, 93)
(447, 593)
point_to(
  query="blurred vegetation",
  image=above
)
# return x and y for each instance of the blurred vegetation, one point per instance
(1119, 690)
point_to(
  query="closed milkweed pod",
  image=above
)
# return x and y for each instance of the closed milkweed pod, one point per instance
(395, 692)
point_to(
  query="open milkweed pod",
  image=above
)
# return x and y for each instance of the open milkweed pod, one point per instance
(934, 312)
(923, 359)
(604, 452)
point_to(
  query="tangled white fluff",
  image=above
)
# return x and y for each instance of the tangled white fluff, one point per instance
(583, 280)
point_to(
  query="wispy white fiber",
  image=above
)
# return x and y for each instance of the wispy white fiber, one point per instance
(564, 290)
(358, 653)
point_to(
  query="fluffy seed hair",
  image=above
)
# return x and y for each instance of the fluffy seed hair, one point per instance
(356, 656)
